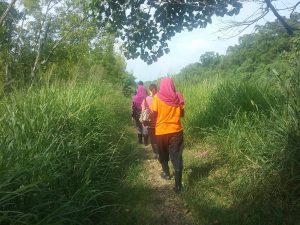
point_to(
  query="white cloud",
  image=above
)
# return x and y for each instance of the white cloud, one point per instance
(191, 45)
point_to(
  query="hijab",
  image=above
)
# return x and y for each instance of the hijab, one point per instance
(141, 94)
(167, 93)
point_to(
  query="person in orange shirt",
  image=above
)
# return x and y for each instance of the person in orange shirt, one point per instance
(168, 108)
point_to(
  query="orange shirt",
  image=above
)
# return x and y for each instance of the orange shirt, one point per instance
(168, 117)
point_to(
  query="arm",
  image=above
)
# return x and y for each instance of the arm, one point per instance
(181, 112)
(132, 113)
(154, 109)
(153, 115)
(144, 104)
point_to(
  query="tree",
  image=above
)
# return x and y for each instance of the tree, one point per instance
(55, 40)
(287, 27)
(128, 84)
(209, 59)
(7, 34)
(5, 13)
(145, 26)
(53, 24)
(9, 25)
(264, 7)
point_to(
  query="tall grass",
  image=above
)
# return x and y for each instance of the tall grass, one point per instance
(256, 154)
(213, 102)
(61, 150)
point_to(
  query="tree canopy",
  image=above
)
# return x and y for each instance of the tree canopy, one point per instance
(50, 40)
(145, 26)
(270, 47)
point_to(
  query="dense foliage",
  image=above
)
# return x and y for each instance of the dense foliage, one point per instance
(63, 132)
(147, 25)
(61, 154)
(46, 41)
(246, 104)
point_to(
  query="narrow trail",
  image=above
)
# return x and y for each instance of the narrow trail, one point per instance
(168, 205)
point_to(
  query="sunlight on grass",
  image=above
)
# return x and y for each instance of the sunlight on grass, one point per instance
(238, 155)
(62, 150)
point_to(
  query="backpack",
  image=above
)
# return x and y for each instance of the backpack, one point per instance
(144, 118)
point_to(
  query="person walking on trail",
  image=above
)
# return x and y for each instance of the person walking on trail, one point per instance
(168, 108)
(137, 100)
(147, 105)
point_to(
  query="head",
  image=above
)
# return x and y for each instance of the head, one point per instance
(167, 83)
(167, 93)
(153, 89)
(140, 83)
(141, 91)
(141, 94)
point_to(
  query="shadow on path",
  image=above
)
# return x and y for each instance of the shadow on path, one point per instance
(147, 199)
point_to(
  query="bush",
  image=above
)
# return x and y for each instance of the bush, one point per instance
(61, 149)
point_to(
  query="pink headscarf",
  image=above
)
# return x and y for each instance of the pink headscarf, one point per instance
(141, 94)
(168, 94)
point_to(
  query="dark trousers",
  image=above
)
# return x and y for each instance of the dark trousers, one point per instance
(151, 133)
(171, 146)
(138, 126)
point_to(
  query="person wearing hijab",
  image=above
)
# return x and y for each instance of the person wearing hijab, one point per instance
(137, 100)
(168, 108)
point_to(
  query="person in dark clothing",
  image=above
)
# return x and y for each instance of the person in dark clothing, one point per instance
(168, 108)
(136, 112)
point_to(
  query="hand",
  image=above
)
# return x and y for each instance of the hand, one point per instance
(181, 112)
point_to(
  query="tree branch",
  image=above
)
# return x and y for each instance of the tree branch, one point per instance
(243, 25)
(294, 7)
(61, 39)
(7, 11)
(287, 27)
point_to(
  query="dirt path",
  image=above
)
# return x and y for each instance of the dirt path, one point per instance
(169, 206)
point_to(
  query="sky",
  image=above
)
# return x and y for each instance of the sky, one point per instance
(187, 47)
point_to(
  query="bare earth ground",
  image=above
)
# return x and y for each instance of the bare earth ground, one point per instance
(168, 206)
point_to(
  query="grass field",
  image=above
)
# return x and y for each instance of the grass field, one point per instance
(249, 172)
(62, 152)
(68, 155)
